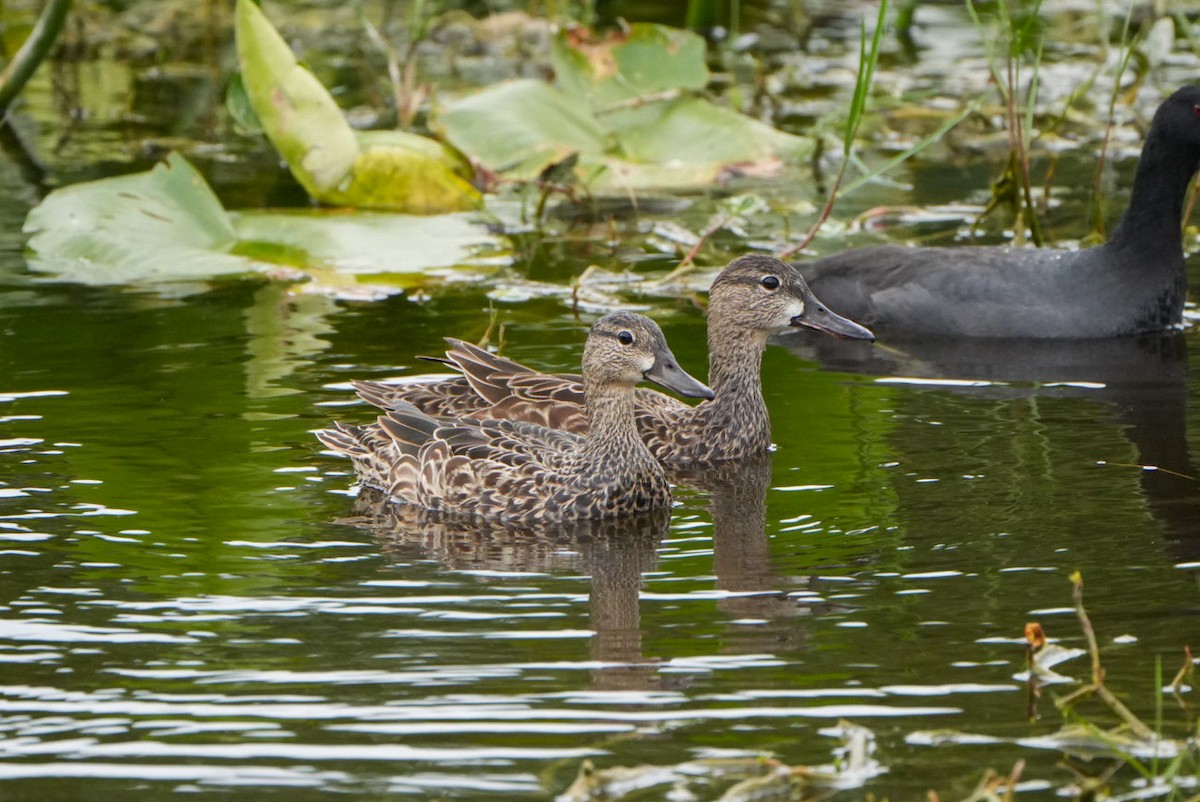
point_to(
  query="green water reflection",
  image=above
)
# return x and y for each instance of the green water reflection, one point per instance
(191, 601)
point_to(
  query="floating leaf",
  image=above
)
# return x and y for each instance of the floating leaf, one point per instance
(639, 61)
(167, 225)
(521, 127)
(381, 170)
(163, 224)
(625, 106)
(371, 242)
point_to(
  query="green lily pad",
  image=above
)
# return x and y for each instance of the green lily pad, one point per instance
(627, 107)
(166, 225)
(520, 127)
(380, 170)
(641, 61)
(162, 225)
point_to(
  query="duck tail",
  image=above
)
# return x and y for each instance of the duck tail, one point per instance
(378, 394)
(409, 427)
(344, 439)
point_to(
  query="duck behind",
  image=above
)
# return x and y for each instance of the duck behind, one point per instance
(753, 297)
(1133, 283)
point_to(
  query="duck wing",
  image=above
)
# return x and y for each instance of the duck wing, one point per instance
(494, 387)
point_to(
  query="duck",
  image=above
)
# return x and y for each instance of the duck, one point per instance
(516, 471)
(1133, 283)
(753, 297)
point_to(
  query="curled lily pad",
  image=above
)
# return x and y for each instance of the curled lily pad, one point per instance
(379, 170)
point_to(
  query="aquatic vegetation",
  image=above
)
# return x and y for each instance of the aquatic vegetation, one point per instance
(394, 170)
(627, 103)
(166, 226)
(33, 51)
(739, 779)
(1098, 743)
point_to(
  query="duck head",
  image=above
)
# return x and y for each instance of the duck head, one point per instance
(624, 348)
(761, 293)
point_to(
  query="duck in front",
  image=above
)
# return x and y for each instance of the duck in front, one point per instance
(516, 471)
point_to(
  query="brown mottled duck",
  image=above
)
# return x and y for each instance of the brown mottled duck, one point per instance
(753, 297)
(511, 470)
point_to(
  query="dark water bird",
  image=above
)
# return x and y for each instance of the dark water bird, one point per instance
(514, 470)
(1135, 282)
(752, 298)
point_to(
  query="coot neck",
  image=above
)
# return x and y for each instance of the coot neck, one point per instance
(1154, 218)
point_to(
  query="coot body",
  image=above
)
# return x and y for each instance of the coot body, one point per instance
(1133, 283)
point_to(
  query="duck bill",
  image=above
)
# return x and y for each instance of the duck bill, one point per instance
(818, 317)
(666, 372)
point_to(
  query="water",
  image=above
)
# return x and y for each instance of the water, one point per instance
(191, 600)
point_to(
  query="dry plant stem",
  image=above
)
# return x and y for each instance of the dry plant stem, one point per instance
(1191, 201)
(640, 100)
(712, 228)
(825, 212)
(1185, 671)
(1016, 134)
(1089, 632)
(406, 94)
(393, 63)
(1097, 686)
(1010, 787)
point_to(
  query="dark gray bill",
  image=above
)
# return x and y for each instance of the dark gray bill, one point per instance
(819, 317)
(666, 371)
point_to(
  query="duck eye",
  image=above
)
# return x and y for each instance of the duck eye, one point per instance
(626, 338)
(770, 282)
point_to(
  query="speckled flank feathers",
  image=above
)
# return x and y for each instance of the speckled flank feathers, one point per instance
(511, 470)
(751, 298)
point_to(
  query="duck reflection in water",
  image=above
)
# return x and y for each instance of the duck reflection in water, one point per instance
(742, 562)
(615, 553)
(1142, 381)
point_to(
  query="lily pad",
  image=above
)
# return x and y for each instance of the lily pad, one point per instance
(380, 170)
(625, 65)
(162, 225)
(166, 225)
(627, 106)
